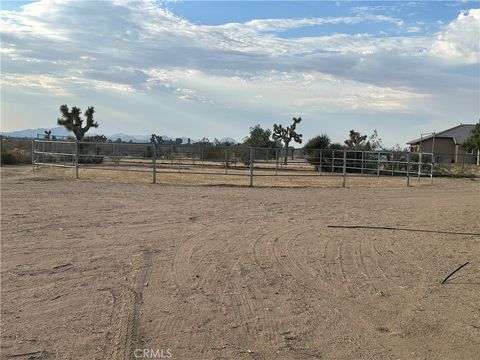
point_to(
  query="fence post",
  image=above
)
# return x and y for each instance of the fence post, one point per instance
(392, 161)
(419, 165)
(276, 161)
(76, 159)
(408, 169)
(378, 163)
(33, 153)
(361, 171)
(252, 157)
(154, 163)
(431, 174)
(226, 159)
(344, 167)
(320, 163)
(333, 161)
(179, 158)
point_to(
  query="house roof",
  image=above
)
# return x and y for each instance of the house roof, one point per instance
(458, 133)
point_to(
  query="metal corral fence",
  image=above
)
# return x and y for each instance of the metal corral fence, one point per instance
(235, 160)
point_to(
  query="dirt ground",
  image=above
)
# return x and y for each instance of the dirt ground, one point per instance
(110, 270)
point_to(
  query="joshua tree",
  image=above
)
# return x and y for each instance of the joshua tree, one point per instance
(156, 139)
(357, 141)
(287, 134)
(72, 121)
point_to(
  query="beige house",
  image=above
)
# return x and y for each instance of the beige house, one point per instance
(446, 145)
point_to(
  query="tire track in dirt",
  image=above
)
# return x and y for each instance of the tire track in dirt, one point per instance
(309, 279)
(238, 293)
(278, 247)
(206, 270)
(359, 252)
(184, 281)
(197, 275)
(123, 335)
(182, 260)
(242, 298)
(380, 252)
(326, 267)
(261, 249)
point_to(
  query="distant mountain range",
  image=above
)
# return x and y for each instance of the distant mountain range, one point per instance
(61, 131)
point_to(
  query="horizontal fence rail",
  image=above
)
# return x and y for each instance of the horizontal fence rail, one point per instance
(235, 160)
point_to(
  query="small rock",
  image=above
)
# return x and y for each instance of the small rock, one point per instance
(382, 328)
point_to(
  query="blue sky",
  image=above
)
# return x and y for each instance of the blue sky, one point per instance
(214, 69)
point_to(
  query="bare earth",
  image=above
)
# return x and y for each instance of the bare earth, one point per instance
(96, 269)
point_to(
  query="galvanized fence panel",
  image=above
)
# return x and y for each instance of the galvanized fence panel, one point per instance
(235, 160)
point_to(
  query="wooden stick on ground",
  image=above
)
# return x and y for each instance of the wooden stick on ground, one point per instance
(453, 272)
(401, 229)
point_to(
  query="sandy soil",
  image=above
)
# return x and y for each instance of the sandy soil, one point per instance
(97, 269)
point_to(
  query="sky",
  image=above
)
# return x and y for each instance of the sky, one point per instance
(214, 69)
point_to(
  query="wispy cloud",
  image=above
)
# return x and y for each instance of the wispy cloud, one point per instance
(65, 47)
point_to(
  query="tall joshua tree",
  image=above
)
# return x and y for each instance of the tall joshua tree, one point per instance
(287, 134)
(156, 139)
(357, 141)
(72, 121)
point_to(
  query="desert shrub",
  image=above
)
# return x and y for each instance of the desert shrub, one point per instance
(16, 156)
(457, 170)
(312, 149)
(241, 154)
(8, 158)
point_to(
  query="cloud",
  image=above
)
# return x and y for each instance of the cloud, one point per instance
(277, 25)
(66, 47)
(414, 29)
(460, 40)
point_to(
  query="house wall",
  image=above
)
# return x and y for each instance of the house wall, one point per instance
(446, 152)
